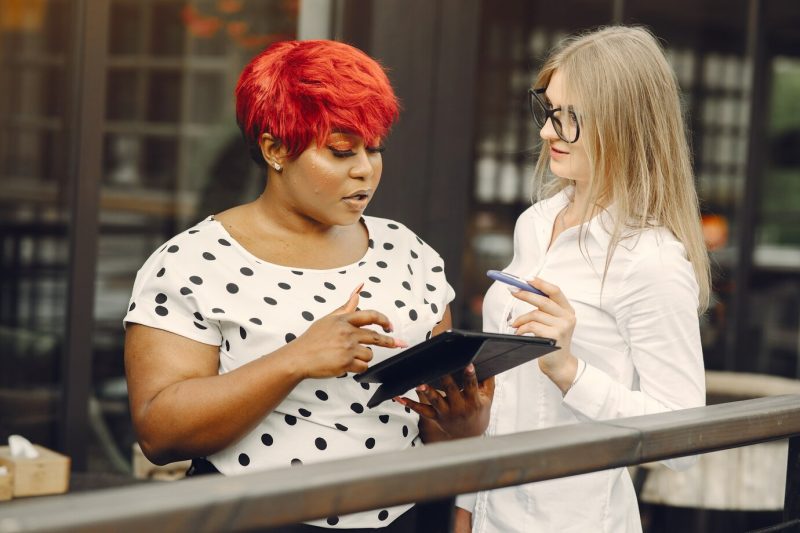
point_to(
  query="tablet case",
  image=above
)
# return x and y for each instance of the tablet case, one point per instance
(449, 352)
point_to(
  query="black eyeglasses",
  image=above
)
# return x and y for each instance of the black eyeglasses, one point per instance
(567, 130)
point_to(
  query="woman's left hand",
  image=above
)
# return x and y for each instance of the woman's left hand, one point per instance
(457, 413)
(554, 318)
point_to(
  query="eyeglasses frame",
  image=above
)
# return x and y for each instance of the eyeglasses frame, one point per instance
(550, 113)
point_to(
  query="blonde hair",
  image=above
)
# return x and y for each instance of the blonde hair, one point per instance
(631, 125)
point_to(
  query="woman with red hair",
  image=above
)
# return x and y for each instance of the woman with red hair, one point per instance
(244, 332)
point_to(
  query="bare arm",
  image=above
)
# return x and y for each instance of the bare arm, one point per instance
(181, 407)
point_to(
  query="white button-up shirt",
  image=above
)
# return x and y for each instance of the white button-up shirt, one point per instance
(638, 335)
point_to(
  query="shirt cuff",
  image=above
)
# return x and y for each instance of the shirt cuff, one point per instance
(467, 501)
(588, 392)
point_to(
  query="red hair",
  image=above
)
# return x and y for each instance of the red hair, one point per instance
(301, 91)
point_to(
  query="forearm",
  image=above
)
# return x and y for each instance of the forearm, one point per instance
(200, 416)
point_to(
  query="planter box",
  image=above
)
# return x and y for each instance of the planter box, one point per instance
(47, 474)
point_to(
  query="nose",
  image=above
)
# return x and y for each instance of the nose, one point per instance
(548, 133)
(363, 167)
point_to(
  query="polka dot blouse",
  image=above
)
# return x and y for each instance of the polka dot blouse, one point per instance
(205, 286)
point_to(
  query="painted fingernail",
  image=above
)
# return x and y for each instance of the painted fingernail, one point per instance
(422, 388)
(400, 343)
(470, 368)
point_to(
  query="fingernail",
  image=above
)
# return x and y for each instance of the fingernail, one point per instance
(512, 289)
(422, 388)
(470, 368)
(400, 343)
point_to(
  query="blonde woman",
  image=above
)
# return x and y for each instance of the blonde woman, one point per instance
(616, 245)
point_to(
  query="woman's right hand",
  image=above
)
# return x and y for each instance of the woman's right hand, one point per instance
(339, 343)
(462, 521)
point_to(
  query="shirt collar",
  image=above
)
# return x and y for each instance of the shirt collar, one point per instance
(598, 228)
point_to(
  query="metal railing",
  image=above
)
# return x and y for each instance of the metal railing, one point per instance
(272, 498)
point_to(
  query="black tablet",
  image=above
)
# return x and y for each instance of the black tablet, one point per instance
(449, 352)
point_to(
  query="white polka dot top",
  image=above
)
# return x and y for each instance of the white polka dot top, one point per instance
(205, 286)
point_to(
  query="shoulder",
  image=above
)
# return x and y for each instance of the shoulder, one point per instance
(386, 228)
(655, 260)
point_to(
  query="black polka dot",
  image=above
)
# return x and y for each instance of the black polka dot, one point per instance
(399, 303)
(410, 271)
(406, 285)
(256, 321)
(375, 279)
(217, 310)
(270, 301)
(199, 326)
(266, 439)
(381, 264)
(414, 254)
(244, 460)
(208, 256)
(297, 462)
(297, 272)
(345, 271)
(246, 271)
(329, 285)
(370, 443)
(434, 308)
(304, 412)
(383, 515)
(232, 288)
(365, 294)
(405, 431)
(428, 335)
(340, 427)
(198, 316)
(430, 287)
(161, 272)
(223, 242)
(290, 337)
(322, 395)
(437, 269)
(408, 410)
(186, 291)
(161, 298)
(228, 346)
(290, 419)
(132, 307)
(332, 520)
(357, 407)
(197, 280)
(320, 443)
(308, 316)
(419, 240)
(284, 286)
(360, 263)
(384, 418)
(242, 333)
(392, 226)
(172, 249)
(193, 231)
(320, 299)
(412, 314)
(365, 386)
(388, 246)
(161, 310)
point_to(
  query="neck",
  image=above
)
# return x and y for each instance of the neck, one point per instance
(275, 212)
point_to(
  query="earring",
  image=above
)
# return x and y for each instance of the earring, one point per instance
(277, 166)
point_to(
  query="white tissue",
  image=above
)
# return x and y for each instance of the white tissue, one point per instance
(19, 446)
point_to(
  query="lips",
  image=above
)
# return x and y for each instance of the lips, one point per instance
(358, 200)
(555, 152)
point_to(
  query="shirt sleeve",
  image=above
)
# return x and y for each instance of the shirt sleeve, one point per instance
(164, 297)
(657, 316)
(438, 292)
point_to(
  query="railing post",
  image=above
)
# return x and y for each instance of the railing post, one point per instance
(791, 502)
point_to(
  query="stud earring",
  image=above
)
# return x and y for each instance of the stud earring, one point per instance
(277, 166)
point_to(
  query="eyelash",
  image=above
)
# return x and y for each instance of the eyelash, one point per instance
(350, 153)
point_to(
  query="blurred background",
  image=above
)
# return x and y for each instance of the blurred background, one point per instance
(117, 131)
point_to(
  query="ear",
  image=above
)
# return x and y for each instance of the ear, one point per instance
(273, 151)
